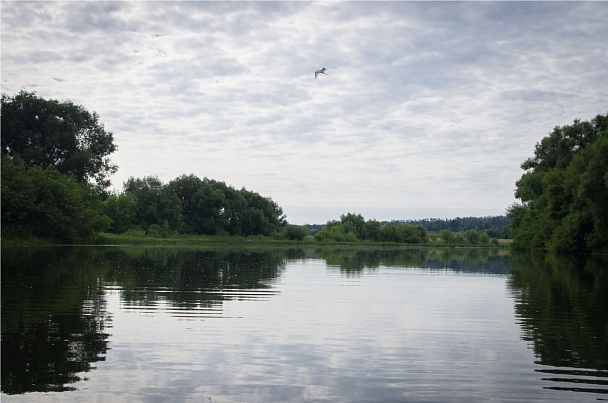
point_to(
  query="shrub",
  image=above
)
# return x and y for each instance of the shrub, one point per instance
(295, 232)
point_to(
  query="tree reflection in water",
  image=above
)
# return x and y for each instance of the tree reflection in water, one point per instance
(53, 318)
(55, 326)
(562, 306)
(355, 260)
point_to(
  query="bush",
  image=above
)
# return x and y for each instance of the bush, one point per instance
(472, 236)
(484, 239)
(446, 235)
(136, 233)
(295, 232)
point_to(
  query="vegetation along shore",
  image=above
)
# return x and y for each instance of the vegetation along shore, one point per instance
(56, 176)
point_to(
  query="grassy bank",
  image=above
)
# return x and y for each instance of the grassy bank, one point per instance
(30, 241)
(139, 239)
(125, 239)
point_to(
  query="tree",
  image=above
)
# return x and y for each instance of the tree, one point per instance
(495, 226)
(588, 182)
(121, 209)
(334, 231)
(296, 232)
(409, 233)
(43, 202)
(331, 231)
(210, 204)
(202, 206)
(484, 238)
(446, 235)
(353, 223)
(261, 215)
(58, 134)
(472, 236)
(372, 230)
(154, 203)
(389, 233)
(564, 190)
(186, 188)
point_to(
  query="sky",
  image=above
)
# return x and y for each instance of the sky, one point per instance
(427, 111)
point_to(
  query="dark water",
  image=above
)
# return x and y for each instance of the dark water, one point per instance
(252, 324)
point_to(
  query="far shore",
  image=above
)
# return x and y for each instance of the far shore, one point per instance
(106, 239)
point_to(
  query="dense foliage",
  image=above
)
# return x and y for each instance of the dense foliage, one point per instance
(353, 227)
(191, 205)
(42, 202)
(493, 226)
(564, 191)
(55, 170)
(457, 231)
(57, 134)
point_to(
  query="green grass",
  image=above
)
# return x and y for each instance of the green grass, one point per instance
(127, 239)
(29, 241)
(140, 238)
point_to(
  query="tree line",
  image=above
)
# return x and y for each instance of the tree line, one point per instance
(56, 174)
(564, 191)
(190, 205)
(353, 227)
(493, 226)
(45, 203)
(456, 231)
(55, 180)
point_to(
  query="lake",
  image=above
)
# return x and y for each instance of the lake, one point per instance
(290, 324)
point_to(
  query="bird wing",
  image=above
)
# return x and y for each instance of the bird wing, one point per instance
(316, 74)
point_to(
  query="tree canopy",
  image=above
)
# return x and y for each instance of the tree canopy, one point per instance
(44, 203)
(564, 191)
(57, 134)
(353, 227)
(191, 205)
(55, 169)
(494, 226)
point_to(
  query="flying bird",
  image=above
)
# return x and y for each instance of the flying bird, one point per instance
(322, 71)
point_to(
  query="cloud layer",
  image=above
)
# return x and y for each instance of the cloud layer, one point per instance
(428, 108)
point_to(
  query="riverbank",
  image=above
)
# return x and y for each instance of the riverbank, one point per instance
(127, 239)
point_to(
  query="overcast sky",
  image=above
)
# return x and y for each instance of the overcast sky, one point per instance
(428, 108)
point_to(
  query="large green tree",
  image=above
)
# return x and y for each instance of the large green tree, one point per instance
(353, 223)
(57, 134)
(192, 205)
(261, 215)
(154, 203)
(121, 209)
(564, 191)
(42, 202)
(212, 207)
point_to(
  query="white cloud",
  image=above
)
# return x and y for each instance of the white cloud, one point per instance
(427, 106)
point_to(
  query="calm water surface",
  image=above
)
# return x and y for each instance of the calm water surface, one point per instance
(263, 324)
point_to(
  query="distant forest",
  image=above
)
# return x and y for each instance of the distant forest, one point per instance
(493, 226)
